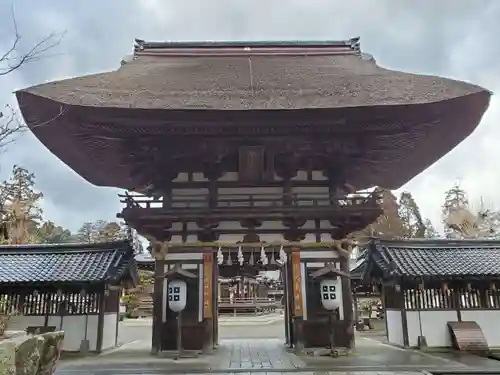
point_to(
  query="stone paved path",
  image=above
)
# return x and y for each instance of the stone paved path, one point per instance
(255, 354)
(268, 356)
(163, 372)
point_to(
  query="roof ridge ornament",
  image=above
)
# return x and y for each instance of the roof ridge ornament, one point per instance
(355, 44)
(236, 48)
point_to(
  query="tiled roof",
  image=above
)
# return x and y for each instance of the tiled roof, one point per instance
(144, 258)
(358, 268)
(435, 258)
(67, 263)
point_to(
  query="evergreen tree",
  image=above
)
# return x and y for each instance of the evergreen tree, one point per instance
(85, 233)
(51, 233)
(136, 241)
(388, 225)
(110, 231)
(101, 231)
(430, 231)
(413, 225)
(455, 199)
(20, 204)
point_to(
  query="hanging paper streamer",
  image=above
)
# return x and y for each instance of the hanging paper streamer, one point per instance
(263, 257)
(283, 257)
(220, 256)
(240, 256)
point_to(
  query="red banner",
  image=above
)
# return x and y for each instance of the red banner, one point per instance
(297, 284)
(207, 285)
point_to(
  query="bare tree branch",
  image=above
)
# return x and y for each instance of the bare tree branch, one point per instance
(10, 125)
(12, 59)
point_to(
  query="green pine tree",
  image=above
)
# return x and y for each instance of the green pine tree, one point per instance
(413, 225)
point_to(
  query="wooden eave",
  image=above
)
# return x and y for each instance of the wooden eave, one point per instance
(235, 213)
(178, 270)
(329, 269)
(92, 118)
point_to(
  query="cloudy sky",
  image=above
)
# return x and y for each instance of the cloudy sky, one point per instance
(453, 38)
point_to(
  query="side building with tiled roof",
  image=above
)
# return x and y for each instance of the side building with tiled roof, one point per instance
(71, 287)
(431, 286)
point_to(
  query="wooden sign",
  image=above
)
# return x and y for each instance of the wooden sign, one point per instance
(250, 163)
(297, 285)
(207, 285)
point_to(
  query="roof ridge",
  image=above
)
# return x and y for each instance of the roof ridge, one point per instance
(441, 242)
(246, 48)
(70, 247)
(352, 42)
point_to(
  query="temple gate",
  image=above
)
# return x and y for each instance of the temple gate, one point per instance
(307, 324)
(252, 144)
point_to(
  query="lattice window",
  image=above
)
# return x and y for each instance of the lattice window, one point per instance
(48, 303)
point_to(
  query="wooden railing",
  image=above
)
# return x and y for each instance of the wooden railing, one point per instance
(254, 305)
(189, 201)
(437, 298)
(46, 303)
(246, 301)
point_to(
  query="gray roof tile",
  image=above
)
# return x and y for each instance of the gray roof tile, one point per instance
(66, 263)
(436, 258)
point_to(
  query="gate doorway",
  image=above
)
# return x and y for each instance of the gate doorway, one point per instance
(238, 291)
(250, 294)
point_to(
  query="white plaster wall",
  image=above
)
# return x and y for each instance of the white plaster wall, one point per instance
(394, 322)
(434, 327)
(73, 327)
(109, 331)
(489, 321)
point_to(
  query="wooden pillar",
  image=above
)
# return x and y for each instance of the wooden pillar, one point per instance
(347, 303)
(167, 196)
(456, 299)
(333, 186)
(399, 295)
(297, 300)
(158, 305)
(209, 301)
(100, 319)
(285, 303)
(483, 295)
(213, 192)
(289, 304)
(215, 302)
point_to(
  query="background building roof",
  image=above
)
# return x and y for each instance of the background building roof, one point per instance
(433, 259)
(67, 263)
